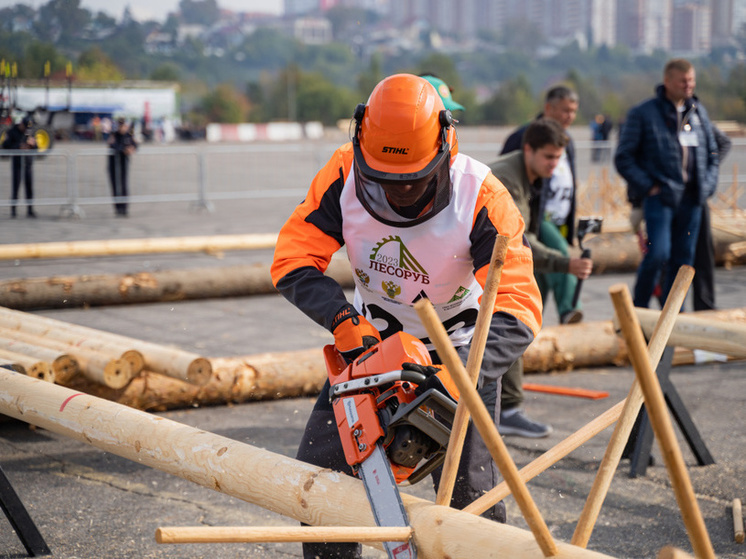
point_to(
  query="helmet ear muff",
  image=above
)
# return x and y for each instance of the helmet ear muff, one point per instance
(358, 116)
(445, 118)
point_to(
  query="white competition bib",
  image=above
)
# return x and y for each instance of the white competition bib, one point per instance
(394, 267)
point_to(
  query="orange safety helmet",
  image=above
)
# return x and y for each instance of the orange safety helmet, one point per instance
(404, 126)
(403, 135)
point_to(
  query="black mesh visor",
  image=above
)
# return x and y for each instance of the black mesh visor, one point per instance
(371, 195)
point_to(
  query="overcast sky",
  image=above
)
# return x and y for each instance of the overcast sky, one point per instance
(156, 9)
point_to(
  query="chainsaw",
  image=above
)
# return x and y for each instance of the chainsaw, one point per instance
(394, 411)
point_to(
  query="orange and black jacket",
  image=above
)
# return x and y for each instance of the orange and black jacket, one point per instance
(313, 233)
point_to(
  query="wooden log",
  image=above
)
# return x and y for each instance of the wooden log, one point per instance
(168, 361)
(696, 332)
(13, 364)
(234, 380)
(148, 287)
(277, 534)
(294, 489)
(623, 429)
(29, 365)
(473, 367)
(214, 244)
(62, 365)
(655, 405)
(98, 367)
(485, 425)
(573, 346)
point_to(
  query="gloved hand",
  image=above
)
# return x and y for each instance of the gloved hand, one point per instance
(353, 334)
(427, 370)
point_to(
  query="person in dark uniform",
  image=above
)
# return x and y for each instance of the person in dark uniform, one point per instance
(19, 137)
(123, 145)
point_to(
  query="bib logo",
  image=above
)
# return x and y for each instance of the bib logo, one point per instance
(391, 289)
(461, 292)
(362, 276)
(391, 257)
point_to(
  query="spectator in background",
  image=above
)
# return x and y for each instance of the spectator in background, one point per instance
(558, 201)
(122, 145)
(600, 132)
(668, 155)
(554, 227)
(106, 128)
(445, 92)
(524, 173)
(20, 137)
(703, 284)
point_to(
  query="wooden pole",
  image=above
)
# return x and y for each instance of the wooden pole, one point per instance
(278, 534)
(633, 403)
(738, 531)
(486, 426)
(473, 367)
(695, 332)
(160, 359)
(661, 422)
(148, 287)
(211, 244)
(294, 489)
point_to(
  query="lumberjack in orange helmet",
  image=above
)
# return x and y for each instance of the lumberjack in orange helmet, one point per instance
(417, 219)
(403, 144)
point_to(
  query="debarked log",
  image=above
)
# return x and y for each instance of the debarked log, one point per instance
(214, 244)
(27, 365)
(620, 251)
(316, 496)
(148, 287)
(62, 365)
(234, 379)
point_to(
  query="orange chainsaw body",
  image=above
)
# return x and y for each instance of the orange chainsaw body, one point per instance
(365, 399)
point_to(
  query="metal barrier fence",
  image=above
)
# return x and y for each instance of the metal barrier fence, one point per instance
(73, 176)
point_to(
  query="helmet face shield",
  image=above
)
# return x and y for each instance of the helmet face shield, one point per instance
(403, 144)
(434, 188)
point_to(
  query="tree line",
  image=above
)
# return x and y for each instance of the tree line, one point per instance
(269, 76)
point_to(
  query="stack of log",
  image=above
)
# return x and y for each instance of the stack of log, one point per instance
(58, 351)
(164, 381)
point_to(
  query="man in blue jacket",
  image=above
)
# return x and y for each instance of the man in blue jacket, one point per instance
(668, 155)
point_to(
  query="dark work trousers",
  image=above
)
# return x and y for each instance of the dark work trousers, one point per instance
(512, 386)
(118, 164)
(477, 473)
(22, 163)
(703, 283)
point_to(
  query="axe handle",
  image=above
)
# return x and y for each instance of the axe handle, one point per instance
(579, 285)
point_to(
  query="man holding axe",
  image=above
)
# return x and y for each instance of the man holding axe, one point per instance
(524, 174)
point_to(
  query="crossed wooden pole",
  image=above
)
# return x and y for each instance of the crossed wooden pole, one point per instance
(644, 361)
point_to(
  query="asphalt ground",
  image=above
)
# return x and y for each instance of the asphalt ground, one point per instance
(90, 504)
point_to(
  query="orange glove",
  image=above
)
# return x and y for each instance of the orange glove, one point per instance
(353, 334)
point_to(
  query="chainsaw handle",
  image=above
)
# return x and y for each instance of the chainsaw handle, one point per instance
(375, 381)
